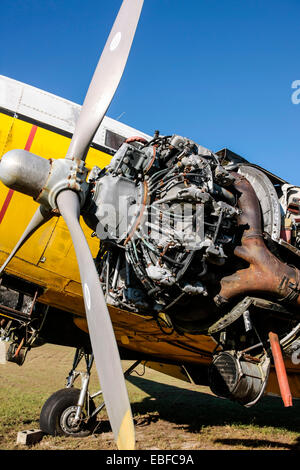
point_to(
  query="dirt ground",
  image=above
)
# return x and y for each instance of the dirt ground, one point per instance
(169, 414)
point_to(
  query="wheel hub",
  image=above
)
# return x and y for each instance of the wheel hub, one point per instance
(67, 421)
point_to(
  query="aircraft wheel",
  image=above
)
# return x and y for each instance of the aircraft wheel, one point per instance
(58, 412)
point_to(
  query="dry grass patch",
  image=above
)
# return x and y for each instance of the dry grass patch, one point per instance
(169, 414)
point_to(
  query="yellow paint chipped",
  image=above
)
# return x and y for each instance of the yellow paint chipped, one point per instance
(125, 339)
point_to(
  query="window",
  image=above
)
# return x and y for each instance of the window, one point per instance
(113, 140)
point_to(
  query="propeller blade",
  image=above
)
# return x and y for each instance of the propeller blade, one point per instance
(106, 78)
(101, 332)
(40, 217)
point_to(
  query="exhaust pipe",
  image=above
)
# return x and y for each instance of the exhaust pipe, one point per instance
(266, 274)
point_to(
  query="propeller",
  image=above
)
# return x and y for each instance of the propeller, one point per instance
(65, 190)
(102, 336)
(106, 77)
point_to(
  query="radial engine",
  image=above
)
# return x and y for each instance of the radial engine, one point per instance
(205, 242)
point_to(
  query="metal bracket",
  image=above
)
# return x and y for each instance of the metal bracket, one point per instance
(242, 307)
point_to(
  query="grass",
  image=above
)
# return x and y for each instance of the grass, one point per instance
(168, 413)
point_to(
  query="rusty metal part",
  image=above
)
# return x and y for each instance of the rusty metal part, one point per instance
(13, 314)
(266, 274)
(280, 370)
(136, 139)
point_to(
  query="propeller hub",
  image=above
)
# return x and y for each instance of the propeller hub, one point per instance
(40, 178)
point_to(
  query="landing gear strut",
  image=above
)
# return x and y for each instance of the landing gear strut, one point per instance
(72, 411)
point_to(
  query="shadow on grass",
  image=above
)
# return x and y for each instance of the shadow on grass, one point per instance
(258, 443)
(195, 410)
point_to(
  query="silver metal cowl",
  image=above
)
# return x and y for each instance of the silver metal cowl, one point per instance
(24, 172)
(40, 178)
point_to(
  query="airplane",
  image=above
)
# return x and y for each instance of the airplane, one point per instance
(151, 249)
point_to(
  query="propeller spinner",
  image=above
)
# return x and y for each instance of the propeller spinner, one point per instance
(61, 184)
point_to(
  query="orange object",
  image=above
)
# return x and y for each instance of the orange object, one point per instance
(136, 139)
(280, 370)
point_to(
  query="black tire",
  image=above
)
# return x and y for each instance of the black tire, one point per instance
(58, 408)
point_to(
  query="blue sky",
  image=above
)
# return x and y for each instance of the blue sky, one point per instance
(217, 71)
